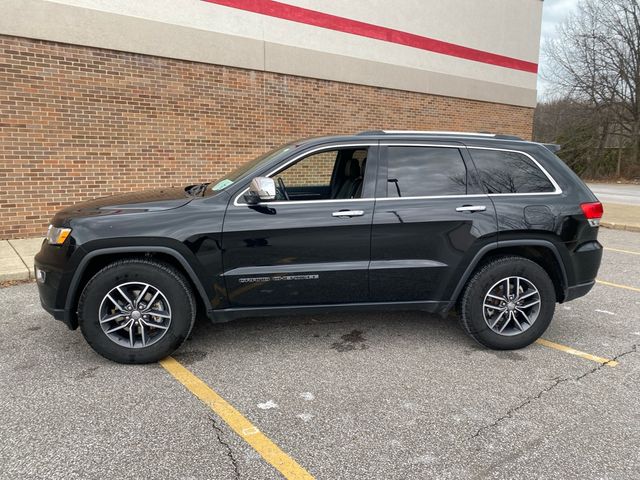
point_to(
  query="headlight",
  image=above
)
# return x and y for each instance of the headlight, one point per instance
(57, 235)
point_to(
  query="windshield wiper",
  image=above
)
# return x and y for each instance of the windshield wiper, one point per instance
(197, 189)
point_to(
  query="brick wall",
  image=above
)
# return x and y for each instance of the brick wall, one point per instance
(79, 122)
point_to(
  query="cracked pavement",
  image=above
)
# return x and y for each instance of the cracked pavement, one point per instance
(220, 434)
(367, 395)
(556, 382)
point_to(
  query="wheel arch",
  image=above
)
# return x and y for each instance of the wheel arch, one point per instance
(542, 252)
(95, 260)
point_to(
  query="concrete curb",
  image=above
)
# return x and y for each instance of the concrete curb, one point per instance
(11, 265)
(619, 216)
(16, 258)
(620, 226)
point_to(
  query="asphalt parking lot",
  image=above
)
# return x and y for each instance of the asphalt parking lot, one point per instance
(388, 395)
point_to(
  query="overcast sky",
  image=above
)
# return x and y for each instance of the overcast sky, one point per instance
(553, 13)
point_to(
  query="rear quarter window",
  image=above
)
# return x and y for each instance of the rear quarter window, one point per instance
(509, 172)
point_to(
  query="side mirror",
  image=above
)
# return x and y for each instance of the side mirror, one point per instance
(261, 189)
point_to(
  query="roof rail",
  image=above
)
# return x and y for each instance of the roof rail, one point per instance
(436, 132)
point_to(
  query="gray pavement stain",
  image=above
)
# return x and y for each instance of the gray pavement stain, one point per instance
(350, 341)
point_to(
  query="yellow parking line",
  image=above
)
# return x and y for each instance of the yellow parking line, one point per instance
(282, 462)
(578, 353)
(621, 251)
(617, 285)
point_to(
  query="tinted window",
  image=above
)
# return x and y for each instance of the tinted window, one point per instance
(315, 169)
(425, 171)
(509, 172)
(336, 174)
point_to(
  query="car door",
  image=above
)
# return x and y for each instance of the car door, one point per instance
(429, 221)
(312, 249)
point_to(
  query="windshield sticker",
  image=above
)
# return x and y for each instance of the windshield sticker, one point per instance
(222, 184)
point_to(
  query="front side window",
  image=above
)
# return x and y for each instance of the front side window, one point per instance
(230, 178)
(425, 171)
(509, 172)
(332, 174)
(315, 170)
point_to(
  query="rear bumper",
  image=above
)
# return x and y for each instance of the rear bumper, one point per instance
(583, 264)
(586, 263)
(578, 291)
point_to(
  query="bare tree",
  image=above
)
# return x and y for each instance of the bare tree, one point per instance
(595, 60)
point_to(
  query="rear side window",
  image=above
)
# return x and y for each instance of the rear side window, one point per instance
(509, 172)
(425, 171)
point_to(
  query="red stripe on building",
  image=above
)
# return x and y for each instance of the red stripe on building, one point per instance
(377, 32)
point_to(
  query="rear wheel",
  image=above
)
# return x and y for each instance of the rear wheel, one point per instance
(508, 303)
(136, 311)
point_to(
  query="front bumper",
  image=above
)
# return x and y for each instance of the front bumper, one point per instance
(53, 280)
(48, 290)
(57, 313)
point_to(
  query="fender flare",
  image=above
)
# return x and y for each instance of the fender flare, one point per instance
(508, 243)
(72, 292)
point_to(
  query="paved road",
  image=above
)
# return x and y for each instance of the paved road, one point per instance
(616, 193)
(377, 395)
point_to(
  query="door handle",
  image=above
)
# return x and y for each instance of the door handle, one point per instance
(471, 208)
(348, 213)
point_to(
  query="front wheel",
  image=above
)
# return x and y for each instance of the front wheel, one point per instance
(136, 311)
(508, 303)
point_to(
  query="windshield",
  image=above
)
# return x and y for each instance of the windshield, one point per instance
(230, 178)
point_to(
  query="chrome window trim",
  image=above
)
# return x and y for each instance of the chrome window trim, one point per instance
(557, 189)
(298, 202)
(434, 197)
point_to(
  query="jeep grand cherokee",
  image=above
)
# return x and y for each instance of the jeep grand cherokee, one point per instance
(496, 227)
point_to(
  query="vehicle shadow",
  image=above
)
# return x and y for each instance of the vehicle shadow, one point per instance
(338, 333)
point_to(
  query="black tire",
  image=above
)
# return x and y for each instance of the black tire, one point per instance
(165, 278)
(472, 317)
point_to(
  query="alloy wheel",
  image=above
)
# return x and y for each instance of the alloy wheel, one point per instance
(135, 314)
(511, 306)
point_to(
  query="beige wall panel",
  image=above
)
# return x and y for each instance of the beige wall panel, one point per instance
(200, 31)
(69, 24)
(338, 43)
(506, 27)
(326, 66)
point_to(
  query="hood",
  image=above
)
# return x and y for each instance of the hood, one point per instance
(136, 202)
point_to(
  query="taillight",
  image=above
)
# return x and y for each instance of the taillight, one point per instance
(593, 211)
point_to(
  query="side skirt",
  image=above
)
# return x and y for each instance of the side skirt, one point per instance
(228, 314)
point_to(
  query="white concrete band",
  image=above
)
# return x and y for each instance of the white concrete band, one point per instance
(198, 31)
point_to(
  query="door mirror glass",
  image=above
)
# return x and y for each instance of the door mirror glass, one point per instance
(261, 189)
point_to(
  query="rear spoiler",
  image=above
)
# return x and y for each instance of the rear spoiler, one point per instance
(552, 147)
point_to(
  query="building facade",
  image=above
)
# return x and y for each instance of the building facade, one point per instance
(108, 96)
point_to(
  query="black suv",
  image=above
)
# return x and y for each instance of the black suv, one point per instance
(497, 227)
